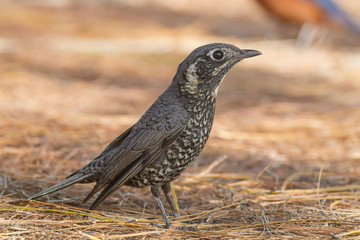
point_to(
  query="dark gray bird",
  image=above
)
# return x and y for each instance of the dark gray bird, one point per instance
(168, 137)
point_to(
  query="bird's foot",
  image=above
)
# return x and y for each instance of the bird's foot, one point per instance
(158, 225)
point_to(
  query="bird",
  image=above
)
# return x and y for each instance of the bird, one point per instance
(169, 135)
(310, 12)
(337, 14)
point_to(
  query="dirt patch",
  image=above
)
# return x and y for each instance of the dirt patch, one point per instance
(282, 159)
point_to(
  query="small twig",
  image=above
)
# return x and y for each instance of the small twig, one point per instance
(136, 234)
(318, 193)
(173, 193)
(15, 233)
(264, 169)
(341, 235)
(143, 211)
(88, 236)
(3, 184)
(213, 165)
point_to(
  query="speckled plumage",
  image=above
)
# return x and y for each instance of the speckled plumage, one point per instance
(169, 136)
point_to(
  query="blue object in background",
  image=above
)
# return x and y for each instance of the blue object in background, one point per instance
(337, 14)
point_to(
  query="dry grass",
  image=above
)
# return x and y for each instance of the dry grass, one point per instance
(282, 160)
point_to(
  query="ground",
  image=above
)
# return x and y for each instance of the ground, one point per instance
(283, 157)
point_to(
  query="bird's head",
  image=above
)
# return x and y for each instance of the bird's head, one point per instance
(203, 70)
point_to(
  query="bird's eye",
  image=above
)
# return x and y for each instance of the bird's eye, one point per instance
(217, 55)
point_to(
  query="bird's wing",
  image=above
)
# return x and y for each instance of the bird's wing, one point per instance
(148, 139)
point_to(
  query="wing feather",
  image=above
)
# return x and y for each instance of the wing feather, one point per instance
(143, 145)
(118, 182)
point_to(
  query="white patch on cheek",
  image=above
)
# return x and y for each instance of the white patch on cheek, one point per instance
(192, 78)
(191, 74)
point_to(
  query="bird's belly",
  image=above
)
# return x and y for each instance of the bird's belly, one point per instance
(176, 157)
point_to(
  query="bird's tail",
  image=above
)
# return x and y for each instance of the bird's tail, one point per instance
(63, 184)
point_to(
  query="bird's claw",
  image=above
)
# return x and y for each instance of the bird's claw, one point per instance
(158, 225)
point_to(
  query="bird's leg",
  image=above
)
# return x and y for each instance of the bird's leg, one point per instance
(155, 190)
(167, 189)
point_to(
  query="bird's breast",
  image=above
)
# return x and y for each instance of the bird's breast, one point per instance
(182, 151)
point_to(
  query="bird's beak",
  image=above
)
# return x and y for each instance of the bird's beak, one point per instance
(248, 53)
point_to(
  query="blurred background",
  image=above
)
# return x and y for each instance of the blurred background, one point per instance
(75, 74)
